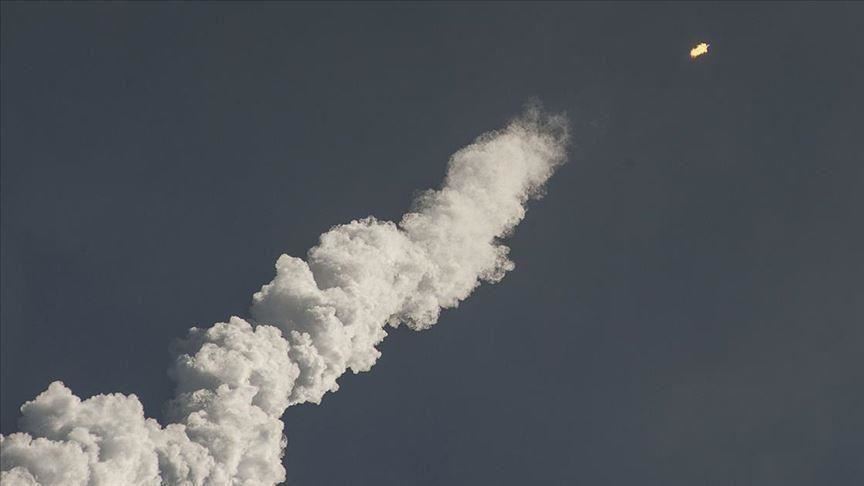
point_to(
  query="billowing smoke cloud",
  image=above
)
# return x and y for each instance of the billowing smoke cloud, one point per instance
(316, 320)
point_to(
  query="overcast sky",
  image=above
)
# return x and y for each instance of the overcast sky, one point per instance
(688, 300)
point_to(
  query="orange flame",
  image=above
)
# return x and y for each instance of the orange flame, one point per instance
(699, 50)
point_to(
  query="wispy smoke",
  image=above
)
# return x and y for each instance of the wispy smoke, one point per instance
(314, 321)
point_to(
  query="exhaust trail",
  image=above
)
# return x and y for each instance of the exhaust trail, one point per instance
(317, 319)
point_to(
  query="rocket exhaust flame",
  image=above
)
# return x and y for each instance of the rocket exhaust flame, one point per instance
(700, 50)
(313, 322)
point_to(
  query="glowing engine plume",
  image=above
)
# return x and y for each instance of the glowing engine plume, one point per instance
(700, 50)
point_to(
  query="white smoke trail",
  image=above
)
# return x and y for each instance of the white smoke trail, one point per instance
(316, 320)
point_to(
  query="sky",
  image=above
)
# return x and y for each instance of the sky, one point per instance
(687, 303)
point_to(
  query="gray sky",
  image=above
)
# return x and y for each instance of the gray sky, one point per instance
(688, 301)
